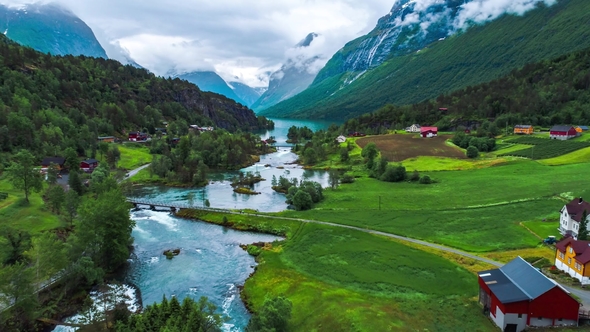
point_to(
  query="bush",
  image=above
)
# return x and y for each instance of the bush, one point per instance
(394, 174)
(415, 176)
(472, 152)
(347, 178)
(425, 180)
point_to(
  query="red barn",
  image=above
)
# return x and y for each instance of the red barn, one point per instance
(89, 165)
(518, 295)
(562, 132)
(428, 131)
(137, 136)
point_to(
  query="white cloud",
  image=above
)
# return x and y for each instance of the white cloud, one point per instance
(243, 38)
(481, 11)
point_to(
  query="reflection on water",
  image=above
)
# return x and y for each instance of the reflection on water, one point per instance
(210, 263)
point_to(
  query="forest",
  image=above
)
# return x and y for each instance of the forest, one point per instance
(50, 103)
(542, 94)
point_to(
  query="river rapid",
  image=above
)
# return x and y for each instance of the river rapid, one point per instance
(210, 263)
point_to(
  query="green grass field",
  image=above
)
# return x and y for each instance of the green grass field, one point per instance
(543, 228)
(431, 164)
(32, 217)
(343, 280)
(580, 156)
(132, 156)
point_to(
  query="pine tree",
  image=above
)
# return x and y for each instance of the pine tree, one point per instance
(583, 231)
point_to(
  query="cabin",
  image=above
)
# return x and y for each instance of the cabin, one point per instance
(136, 136)
(428, 132)
(341, 139)
(562, 132)
(415, 128)
(517, 295)
(356, 134)
(58, 161)
(573, 257)
(88, 165)
(570, 217)
(108, 139)
(584, 128)
(524, 129)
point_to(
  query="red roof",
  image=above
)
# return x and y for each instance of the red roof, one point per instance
(581, 248)
(425, 129)
(576, 208)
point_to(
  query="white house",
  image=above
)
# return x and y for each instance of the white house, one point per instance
(341, 139)
(571, 216)
(415, 128)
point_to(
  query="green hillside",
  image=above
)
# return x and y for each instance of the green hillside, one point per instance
(480, 54)
(50, 103)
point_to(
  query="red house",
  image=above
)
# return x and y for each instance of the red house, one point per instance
(562, 132)
(428, 131)
(518, 295)
(137, 136)
(89, 165)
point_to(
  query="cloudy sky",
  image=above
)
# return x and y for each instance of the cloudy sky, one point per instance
(246, 39)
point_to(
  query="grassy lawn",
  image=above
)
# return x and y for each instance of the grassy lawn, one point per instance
(475, 210)
(143, 177)
(580, 156)
(543, 228)
(132, 156)
(510, 147)
(341, 280)
(32, 217)
(430, 164)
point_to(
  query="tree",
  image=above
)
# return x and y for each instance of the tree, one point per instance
(369, 152)
(344, 156)
(71, 203)
(17, 289)
(310, 156)
(13, 244)
(48, 256)
(113, 156)
(583, 232)
(52, 173)
(302, 200)
(103, 148)
(55, 196)
(274, 315)
(104, 229)
(71, 163)
(472, 152)
(333, 178)
(394, 174)
(75, 182)
(23, 175)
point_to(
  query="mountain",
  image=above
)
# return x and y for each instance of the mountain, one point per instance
(210, 81)
(423, 49)
(293, 77)
(246, 93)
(545, 93)
(69, 101)
(49, 28)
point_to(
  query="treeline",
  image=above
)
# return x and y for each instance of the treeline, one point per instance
(49, 103)
(94, 243)
(302, 195)
(381, 169)
(543, 94)
(319, 145)
(189, 160)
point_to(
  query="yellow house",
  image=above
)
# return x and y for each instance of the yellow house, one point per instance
(579, 129)
(524, 129)
(573, 257)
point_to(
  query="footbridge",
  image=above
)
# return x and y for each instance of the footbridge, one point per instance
(172, 206)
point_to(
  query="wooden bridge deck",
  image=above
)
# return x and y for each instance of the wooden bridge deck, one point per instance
(152, 204)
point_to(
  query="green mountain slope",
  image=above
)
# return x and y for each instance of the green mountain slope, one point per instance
(48, 103)
(49, 28)
(480, 54)
(545, 93)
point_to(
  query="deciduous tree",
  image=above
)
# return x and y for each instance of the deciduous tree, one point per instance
(23, 175)
(583, 232)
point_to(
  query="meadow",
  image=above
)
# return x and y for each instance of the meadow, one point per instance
(398, 147)
(543, 148)
(342, 280)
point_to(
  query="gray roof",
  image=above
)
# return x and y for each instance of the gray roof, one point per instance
(561, 128)
(522, 126)
(517, 281)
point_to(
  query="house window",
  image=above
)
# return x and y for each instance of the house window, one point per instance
(519, 315)
(561, 319)
(569, 260)
(561, 255)
(540, 318)
(571, 250)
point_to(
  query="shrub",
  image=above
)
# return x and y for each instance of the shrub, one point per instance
(394, 174)
(347, 178)
(425, 180)
(472, 152)
(415, 176)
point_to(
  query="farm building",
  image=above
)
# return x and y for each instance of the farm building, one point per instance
(573, 257)
(562, 132)
(524, 129)
(58, 161)
(88, 165)
(518, 295)
(341, 139)
(584, 128)
(108, 139)
(415, 128)
(428, 132)
(137, 136)
(571, 216)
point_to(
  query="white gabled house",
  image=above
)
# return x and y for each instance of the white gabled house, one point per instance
(571, 216)
(415, 128)
(341, 139)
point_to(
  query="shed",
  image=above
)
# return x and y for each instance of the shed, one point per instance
(108, 139)
(524, 129)
(518, 295)
(88, 165)
(58, 161)
(562, 132)
(428, 132)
